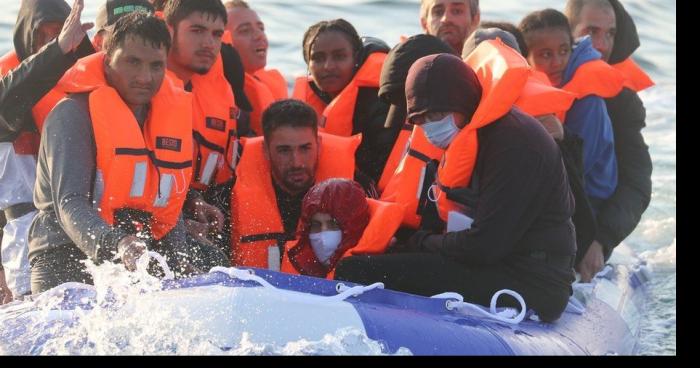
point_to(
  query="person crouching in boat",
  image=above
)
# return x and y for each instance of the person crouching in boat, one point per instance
(501, 193)
(342, 87)
(115, 161)
(337, 221)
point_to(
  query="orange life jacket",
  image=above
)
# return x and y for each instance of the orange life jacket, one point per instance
(539, 97)
(147, 170)
(303, 92)
(338, 115)
(597, 78)
(635, 78)
(257, 230)
(28, 142)
(408, 186)
(384, 220)
(262, 89)
(502, 73)
(397, 152)
(214, 126)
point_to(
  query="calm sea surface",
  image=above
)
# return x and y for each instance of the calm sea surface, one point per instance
(655, 237)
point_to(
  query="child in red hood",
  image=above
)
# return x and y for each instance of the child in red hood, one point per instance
(334, 215)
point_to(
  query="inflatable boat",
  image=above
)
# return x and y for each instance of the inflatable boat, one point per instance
(230, 306)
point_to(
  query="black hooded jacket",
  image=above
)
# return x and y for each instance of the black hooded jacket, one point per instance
(24, 86)
(621, 213)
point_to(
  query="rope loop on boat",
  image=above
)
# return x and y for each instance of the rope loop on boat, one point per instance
(456, 302)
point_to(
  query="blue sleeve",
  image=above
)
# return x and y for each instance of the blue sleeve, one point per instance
(588, 118)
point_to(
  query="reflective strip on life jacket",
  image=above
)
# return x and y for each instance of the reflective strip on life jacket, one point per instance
(145, 169)
(214, 127)
(257, 231)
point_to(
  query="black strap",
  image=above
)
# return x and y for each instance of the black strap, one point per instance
(157, 162)
(170, 164)
(279, 237)
(132, 151)
(419, 155)
(204, 142)
(18, 210)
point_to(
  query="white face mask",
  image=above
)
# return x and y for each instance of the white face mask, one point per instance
(441, 132)
(325, 244)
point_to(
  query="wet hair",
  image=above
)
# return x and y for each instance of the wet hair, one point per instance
(573, 9)
(177, 10)
(233, 4)
(288, 113)
(138, 24)
(543, 19)
(335, 25)
(473, 8)
(510, 28)
(159, 5)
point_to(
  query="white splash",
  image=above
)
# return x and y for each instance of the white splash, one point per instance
(127, 314)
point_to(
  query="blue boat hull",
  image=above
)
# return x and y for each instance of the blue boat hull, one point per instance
(294, 307)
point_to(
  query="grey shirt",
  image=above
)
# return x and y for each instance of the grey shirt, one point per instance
(63, 190)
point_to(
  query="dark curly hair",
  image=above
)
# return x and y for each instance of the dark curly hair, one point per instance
(291, 113)
(138, 24)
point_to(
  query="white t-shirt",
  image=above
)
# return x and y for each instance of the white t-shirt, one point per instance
(17, 176)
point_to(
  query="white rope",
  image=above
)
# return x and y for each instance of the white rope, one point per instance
(346, 292)
(431, 193)
(503, 316)
(245, 275)
(248, 275)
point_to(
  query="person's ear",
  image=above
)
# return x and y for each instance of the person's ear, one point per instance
(424, 24)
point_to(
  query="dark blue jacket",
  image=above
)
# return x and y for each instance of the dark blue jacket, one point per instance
(588, 118)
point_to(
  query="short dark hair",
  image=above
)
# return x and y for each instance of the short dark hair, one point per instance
(290, 113)
(138, 24)
(542, 19)
(177, 10)
(510, 28)
(338, 25)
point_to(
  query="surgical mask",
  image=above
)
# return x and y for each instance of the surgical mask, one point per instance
(325, 243)
(441, 132)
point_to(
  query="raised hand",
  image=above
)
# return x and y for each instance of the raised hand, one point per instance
(73, 31)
